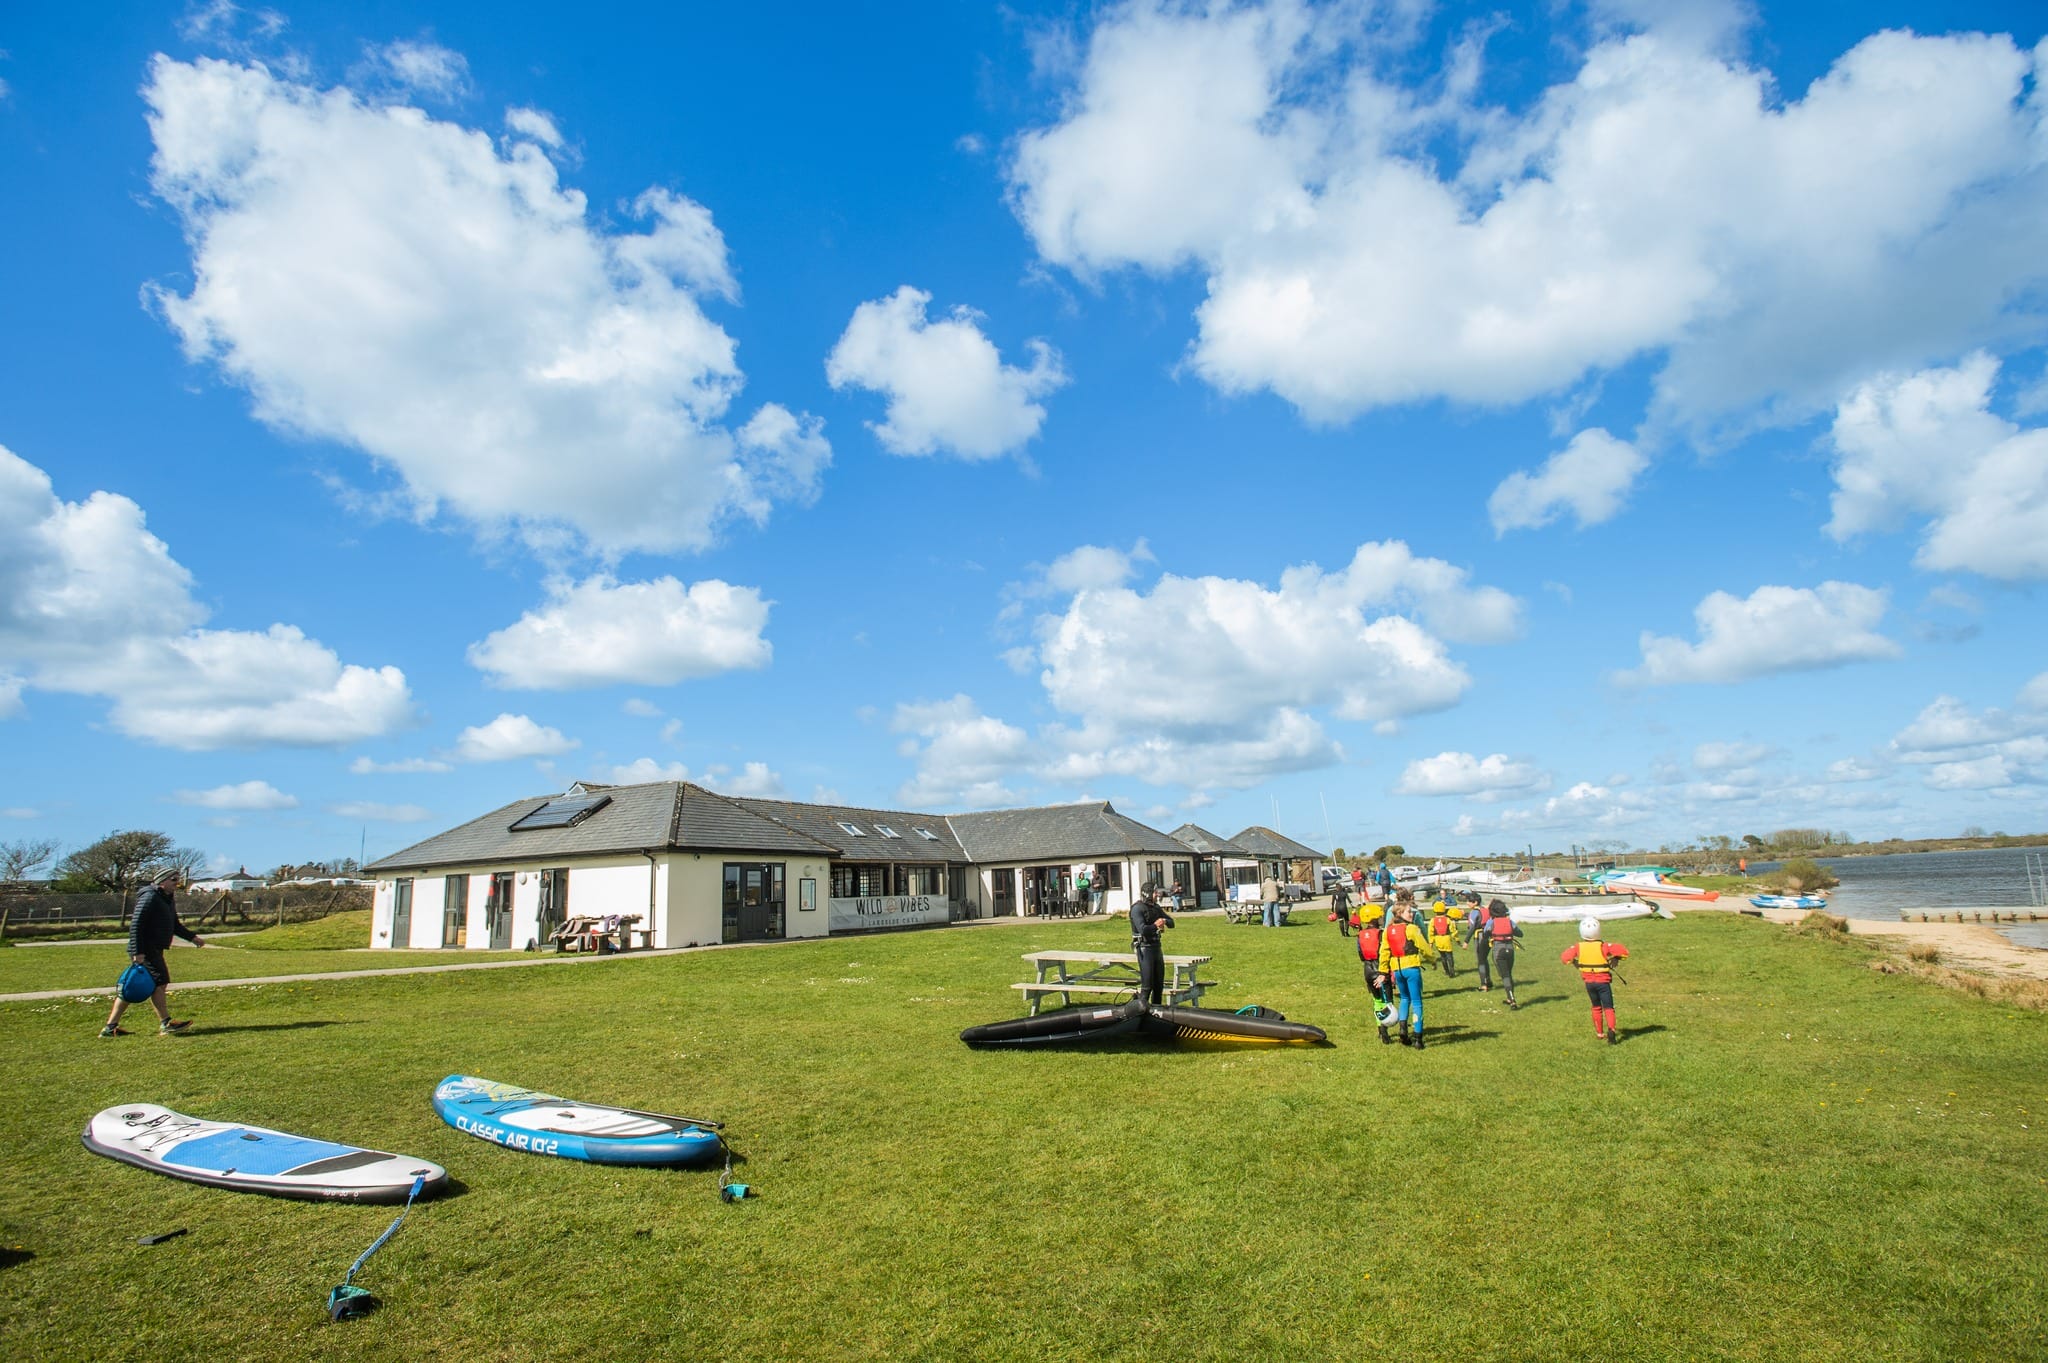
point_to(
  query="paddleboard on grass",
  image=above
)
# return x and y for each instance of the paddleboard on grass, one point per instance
(543, 1124)
(255, 1159)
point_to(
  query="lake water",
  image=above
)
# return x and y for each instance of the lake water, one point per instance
(1879, 887)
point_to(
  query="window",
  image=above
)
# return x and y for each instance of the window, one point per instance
(564, 812)
(929, 880)
(806, 895)
(1205, 876)
(860, 880)
(852, 830)
(1109, 875)
(1155, 873)
(1183, 873)
(926, 834)
(887, 831)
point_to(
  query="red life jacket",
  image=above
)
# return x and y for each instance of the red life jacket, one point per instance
(1501, 930)
(1402, 953)
(1440, 926)
(1369, 944)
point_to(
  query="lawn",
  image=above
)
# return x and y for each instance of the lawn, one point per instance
(1789, 1156)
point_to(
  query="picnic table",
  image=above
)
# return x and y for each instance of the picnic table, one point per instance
(592, 932)
(1068, 973)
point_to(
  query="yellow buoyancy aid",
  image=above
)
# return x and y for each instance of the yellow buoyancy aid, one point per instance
(1593, 959)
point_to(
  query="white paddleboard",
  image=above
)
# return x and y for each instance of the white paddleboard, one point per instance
(255, 1159)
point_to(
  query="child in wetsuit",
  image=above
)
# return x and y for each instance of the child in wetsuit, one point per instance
(1501, 934)
(1443, 935)
(1595, 960)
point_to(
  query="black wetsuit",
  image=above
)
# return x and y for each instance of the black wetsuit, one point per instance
(1146, 916)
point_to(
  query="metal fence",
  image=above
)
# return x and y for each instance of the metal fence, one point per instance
(47, 914)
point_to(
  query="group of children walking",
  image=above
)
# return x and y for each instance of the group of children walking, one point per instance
(1392, 947)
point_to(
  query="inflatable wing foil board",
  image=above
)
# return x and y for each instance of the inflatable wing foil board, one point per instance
(543, 1124)
(1084, 1026)
(255, 1159)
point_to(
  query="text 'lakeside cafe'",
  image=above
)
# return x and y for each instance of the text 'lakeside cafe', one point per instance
(685, 866)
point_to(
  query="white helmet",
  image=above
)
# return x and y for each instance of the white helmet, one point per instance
(1589, 928)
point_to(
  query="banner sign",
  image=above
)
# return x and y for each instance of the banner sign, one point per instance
(887, 911)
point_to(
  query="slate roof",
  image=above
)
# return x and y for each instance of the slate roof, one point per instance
(680, 816)
(1080, 832)
(1259, 841)
(822, 822)
(660, 816)
(1208, 844)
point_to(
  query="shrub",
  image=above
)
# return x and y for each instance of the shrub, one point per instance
(1800, 875)
(1925, 952)
(1819, 924)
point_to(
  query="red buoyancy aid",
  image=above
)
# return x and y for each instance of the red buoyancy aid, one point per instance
(1501, 930)
(1369, 944)
(1401, 952)
(1440, 926)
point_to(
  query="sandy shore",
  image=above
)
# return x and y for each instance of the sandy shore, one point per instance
(1970, 946)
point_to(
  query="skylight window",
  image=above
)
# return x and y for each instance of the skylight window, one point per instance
(564, 812)
(887, 831)
(853, 830)
(926, 834)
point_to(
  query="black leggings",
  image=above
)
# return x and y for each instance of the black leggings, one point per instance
(1151, 969)
(1504, 967)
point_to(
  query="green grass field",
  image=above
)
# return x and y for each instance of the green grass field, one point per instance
(1789, 1156)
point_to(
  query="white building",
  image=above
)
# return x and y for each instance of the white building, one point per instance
(696, 867)
(241, 880)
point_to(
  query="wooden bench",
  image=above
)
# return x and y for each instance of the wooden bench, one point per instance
(1115, 973)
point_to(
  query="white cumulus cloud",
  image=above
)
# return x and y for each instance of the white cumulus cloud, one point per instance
(92, 603)
(949, 391)
(245, 795)
(599, 632)
(965, 759)
(1361, 245)
(1928, 445)
(1730, 756)
(1590, 477)
(1461, 773)
(510, 736)
(401, 285)
(374, 812)
(366, 766)
(1773, 629)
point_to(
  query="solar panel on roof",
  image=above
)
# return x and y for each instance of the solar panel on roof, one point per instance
(562, 813)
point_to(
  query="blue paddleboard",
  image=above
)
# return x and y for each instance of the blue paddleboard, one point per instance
(543, 1124)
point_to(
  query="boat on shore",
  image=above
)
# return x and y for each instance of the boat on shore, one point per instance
(1789, 901)
(1652, 882)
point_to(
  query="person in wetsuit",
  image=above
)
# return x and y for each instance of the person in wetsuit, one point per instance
(1147, 917)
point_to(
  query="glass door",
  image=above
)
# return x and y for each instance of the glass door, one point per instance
(498, 911)
(753, 901)
(455, 911)
(401, 913)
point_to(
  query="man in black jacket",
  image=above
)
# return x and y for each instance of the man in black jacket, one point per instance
(149, 933)
(1146, 920)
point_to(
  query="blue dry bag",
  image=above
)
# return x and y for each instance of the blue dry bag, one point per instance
(137, 983)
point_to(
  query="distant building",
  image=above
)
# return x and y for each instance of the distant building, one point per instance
(697, 867)
(1266, 853)
(241, 880)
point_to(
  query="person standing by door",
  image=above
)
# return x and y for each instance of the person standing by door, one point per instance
(149, 934)
(1147, 917)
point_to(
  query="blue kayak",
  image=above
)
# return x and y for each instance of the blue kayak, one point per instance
(543, 1124)
(1788, 901)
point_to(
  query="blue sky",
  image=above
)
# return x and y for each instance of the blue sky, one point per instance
(1464, 427)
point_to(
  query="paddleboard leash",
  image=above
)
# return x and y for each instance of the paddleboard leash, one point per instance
(349, 1300)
